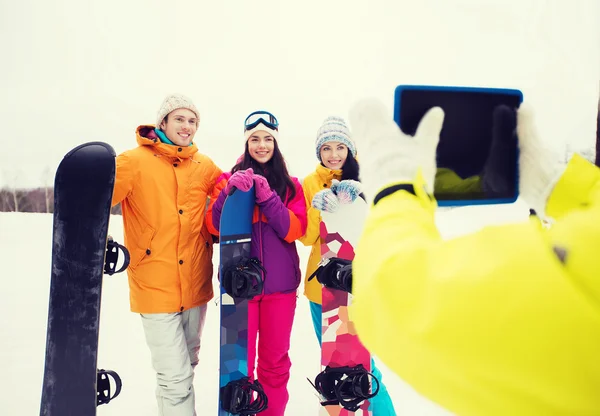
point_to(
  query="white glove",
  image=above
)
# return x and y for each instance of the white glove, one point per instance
(325, 201)
(388, 155)
(347, 190)
(540, 168)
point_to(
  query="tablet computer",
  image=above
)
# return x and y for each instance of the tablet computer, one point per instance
(465, 153)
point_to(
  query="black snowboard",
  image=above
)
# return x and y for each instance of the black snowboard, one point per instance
(83, 191)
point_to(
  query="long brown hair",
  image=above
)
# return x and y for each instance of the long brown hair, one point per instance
(350, 170)
(274, 170)
(598, 136)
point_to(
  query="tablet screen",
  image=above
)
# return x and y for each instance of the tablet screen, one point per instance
(465, 142)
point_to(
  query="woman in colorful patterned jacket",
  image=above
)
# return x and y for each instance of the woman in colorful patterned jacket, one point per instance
(279, 220)
(336, 153)
(162, 186)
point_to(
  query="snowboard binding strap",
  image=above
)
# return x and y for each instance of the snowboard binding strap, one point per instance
(345, 386)
(237, 397)
(243, 278)
(103, 386)
(334, 273)
(112, 256)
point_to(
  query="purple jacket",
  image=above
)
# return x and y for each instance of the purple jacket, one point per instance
(275, 228)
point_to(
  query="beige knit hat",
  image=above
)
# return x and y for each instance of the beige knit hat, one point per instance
(171, 103)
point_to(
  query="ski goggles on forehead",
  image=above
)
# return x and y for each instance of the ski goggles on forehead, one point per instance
(264, 117)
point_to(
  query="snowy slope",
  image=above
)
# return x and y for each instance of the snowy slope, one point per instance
(25, 242)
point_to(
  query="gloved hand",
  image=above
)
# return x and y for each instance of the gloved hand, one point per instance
(241, 179)
(263, 190)
(347, 190)
(325, 200)
(540, 168)
(334, 185)
(388, 155)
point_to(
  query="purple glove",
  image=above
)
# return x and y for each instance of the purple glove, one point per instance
(242, 180)
(262, 189)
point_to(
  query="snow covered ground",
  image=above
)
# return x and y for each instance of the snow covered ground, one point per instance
(72, 77)
(25, 249)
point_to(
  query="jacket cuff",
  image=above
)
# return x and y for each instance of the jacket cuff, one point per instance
(392, 189)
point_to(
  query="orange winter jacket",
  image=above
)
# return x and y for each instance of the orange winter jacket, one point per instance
(163, 191)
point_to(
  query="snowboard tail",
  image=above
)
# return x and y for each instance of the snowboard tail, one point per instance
(83, 191)
(346, 383)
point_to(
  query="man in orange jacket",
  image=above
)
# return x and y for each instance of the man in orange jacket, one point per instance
(162, 186)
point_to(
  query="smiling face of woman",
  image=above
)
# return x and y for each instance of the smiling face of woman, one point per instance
(260, 146)
(334, 154)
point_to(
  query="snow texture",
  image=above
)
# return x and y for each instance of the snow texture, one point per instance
(26, 241)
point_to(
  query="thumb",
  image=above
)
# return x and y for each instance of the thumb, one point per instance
(430, 126)
(249, 171)
(526, 131)
(334, 185)
(356, 184)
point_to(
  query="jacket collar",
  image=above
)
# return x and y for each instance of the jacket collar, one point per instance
(327, 175)
(146, 136)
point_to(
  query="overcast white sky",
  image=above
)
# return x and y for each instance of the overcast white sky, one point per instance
(75, 71)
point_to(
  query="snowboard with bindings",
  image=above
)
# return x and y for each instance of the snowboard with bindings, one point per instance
(345, 383)
(81, 253)
(241, 278)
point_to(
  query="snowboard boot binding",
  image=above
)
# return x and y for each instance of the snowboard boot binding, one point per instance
(243, 278)
(348, 387)
(112, 256)
(103, 386)
(238, 397)
(334, 273)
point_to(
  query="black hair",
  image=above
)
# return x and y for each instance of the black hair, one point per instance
(350, 170)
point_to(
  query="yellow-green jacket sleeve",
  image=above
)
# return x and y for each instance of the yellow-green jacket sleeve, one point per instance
(505, 321)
